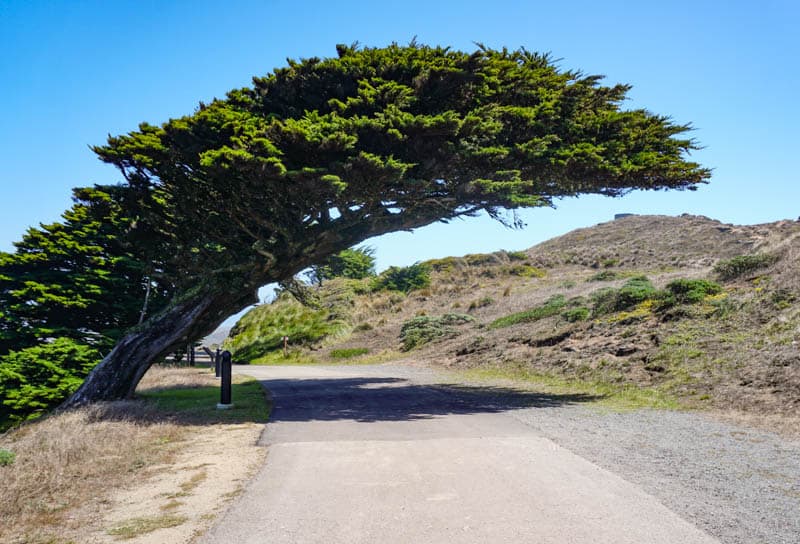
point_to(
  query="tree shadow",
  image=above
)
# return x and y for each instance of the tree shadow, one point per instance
(397, 399)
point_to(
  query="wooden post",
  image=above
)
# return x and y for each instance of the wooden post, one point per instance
(285, 346)
(225, 401)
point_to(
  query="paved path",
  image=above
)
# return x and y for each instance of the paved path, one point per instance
(366, 455)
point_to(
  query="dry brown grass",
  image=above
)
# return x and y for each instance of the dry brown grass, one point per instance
(70, 460)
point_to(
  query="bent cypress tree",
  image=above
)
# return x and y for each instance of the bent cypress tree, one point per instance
(324, 153)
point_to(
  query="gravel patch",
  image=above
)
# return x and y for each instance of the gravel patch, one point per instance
(739, 485)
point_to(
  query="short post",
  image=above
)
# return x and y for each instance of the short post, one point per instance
(225, 386)
(216, 364)
(285, 346)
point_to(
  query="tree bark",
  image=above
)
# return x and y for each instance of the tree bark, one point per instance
(118, 374)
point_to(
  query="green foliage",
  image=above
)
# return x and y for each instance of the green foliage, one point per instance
(525, 271)
(553, 306)
(323, 153)
(445, 264)
(353, 263)
(517, 255)
(424, 329)
(77, 278)
(605, 275)
(635, 291)
(261, 330)
(404, 279)
(743, 264)
(36, 379)
(348, 353)
(7, 457)
(685, 291)
(576, 314)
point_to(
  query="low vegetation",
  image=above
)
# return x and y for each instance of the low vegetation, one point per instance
(729, 269)
(348, 353)
(64, 463)
(404, 279)
(260, 332)
(424, 329)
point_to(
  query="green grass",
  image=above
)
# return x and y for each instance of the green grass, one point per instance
(139, 526)
(348, 353)
(553, 306)
(612, 396)
(7, 457)
(200, 403)
(294, 357)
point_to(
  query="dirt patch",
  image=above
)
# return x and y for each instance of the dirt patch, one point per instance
(181, 499)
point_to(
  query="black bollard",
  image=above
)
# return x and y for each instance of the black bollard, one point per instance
(225, 385)
(216, 364)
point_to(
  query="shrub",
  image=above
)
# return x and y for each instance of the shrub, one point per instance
(525, 271)
(261, 330)
(348, 353)
(687, 291)
(605, 275)
(7, 457)
(517, 255)
(635, 291)
(354, 263)
(551, 307)
(405, 279)
(480, 303)
(576, 314)
(424, 329)
(741, 265)
(478, 259)
(36, 379)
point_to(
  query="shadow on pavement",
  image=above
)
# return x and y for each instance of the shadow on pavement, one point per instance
(396, 399)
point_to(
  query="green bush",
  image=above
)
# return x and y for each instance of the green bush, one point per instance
(576, 314)
(348, 353)
(525, 271)
(605, 275)
(36, 379)
(261, 330)
(353, 263)
(7, 457)
(687, 291)
(741, 265)
(424, 329)
(405, 279)
(635, 291)
(554, 305)
(517, 255)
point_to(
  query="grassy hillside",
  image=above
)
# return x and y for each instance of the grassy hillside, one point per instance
(681, 307)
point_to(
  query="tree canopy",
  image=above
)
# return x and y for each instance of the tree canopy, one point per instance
(325, 152)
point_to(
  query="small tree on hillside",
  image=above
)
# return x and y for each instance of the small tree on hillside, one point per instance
(354, 263)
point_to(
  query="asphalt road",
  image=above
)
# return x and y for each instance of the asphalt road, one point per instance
(372, 455)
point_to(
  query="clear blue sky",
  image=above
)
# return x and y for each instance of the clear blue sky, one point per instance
(72, 72)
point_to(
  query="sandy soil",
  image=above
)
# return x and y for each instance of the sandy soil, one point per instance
(209, 471)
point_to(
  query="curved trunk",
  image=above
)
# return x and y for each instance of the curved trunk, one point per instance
(118, 374)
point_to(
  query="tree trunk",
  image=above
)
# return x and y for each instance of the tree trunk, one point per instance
(118, 374)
